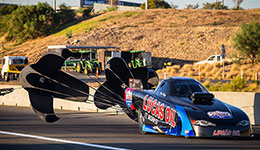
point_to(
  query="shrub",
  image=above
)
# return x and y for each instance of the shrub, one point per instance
(206, 84)
(69, 34)
(84, 11)
(190, 6)
(6, 10)
(215, 5)
(208, 68)
(112, 8)
(65, 15)
(226, 87)
(238, 84)
(235, 68)
(153, 4)
(187, 67)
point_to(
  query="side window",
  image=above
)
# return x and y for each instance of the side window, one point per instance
(26, 61)
(211, 58)
(162, 89)
(218, 58)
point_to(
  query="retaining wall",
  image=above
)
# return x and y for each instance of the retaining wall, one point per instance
(100, 7)
(247, 101)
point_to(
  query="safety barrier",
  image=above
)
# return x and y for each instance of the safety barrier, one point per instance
(247, 101)
(19, 97)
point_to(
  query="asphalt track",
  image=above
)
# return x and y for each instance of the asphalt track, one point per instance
(80, 131)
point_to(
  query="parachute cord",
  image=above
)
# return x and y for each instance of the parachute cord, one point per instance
(120, 79)
(103, 98)
(114, 93)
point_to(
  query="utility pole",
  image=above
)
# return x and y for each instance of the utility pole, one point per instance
(54, 5)
(146, 4)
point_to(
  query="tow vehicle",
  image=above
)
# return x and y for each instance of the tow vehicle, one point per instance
(178, 106)
(84, 58)
(133, 58)
(12, 66)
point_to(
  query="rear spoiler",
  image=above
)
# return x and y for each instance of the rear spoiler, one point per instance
(202, 98)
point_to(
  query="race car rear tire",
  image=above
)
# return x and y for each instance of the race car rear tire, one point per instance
(140, 121)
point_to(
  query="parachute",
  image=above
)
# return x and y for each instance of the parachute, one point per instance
(45, 80)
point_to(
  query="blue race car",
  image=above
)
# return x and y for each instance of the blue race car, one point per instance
(183, 107)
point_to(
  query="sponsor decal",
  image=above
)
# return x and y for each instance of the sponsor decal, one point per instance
(135, 83)
(158, 110)
(128, 97)
(219, 115)
(151, 118)
(226, 132)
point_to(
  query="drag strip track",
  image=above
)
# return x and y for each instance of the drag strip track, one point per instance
(20, 128)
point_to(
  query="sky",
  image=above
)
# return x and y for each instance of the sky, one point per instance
(247, 4)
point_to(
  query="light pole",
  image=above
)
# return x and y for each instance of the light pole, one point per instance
(146, 4)
(54, 5)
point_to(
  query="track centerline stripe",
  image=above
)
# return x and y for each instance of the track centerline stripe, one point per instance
(60, 140)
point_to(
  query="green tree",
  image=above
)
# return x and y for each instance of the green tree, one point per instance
(28, 22)
(190, 6)
(215, 5)
(5, 10)
(247, 41)
(65, 15)
(153, 4)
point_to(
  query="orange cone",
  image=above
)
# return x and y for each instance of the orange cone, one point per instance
(97, 73)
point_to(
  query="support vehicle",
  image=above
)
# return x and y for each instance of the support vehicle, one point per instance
(133, 58)
(212, 59)
(12, 66)
(84, 58)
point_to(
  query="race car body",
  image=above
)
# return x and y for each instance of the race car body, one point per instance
(183, 107)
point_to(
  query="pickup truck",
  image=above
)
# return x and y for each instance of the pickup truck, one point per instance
(212, 59)
(12, 66)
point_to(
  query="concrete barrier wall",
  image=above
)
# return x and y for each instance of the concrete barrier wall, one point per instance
(19, 97)
(247, 101)
(100, 7)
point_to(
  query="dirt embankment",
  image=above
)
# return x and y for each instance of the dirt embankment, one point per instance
(177, 34)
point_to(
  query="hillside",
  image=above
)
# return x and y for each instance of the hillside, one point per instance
(180, 34)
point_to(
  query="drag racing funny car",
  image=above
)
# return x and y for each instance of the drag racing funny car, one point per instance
(178, 106)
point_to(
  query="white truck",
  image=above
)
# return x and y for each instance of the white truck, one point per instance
(12, 66)
(212, 59)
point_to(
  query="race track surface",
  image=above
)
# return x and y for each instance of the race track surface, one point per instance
(20, 128)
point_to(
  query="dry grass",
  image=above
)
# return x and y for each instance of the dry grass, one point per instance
(208, 68)
(153, 31)
(235, 68)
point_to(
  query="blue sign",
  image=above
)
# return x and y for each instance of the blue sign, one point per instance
(223, 50)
